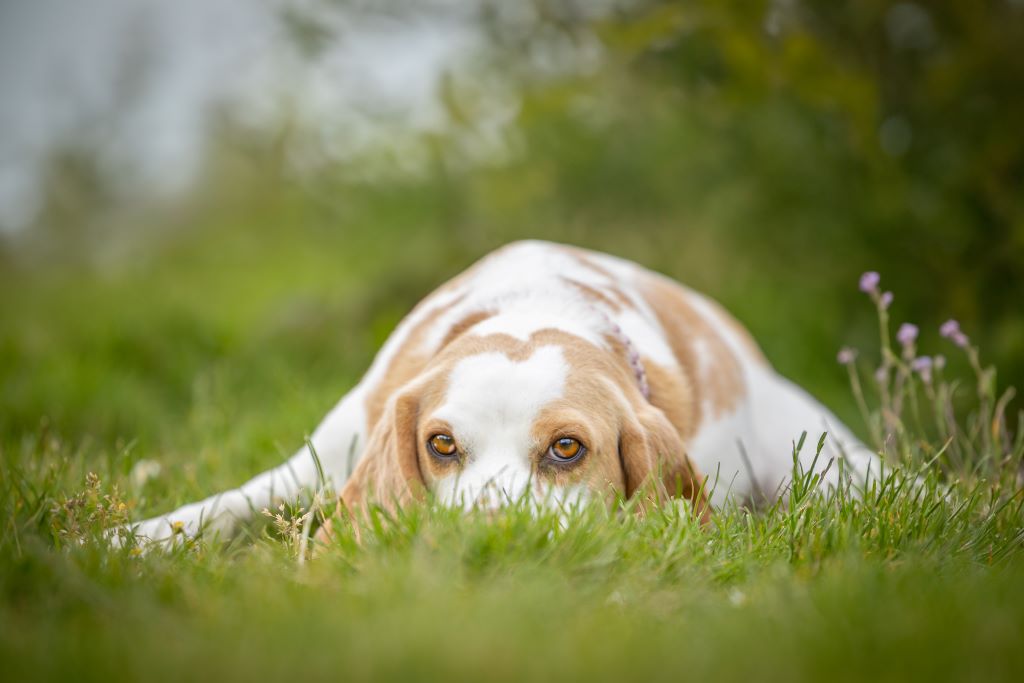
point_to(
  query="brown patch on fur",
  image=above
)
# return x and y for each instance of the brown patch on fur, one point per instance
(389, 473)
(584, 260)
(651, 452)
(622, 297)
(407, 362)
(742, 335)
(462, 326)
(594, 295)
(720, 382)
(673, 393)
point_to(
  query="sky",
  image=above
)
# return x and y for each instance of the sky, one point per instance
(138, 80)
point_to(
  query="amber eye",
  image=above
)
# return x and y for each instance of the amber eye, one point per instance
(566, 449)
(442, 445)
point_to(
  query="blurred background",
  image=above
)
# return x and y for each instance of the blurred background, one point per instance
(212, 214)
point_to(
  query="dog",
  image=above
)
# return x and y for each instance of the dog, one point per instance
(558, 375)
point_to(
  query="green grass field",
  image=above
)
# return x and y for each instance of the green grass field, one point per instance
(215, 354)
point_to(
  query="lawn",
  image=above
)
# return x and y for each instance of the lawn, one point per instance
(213, 354)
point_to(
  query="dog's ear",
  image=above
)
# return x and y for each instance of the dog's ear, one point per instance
(389, 471)
(655, 465)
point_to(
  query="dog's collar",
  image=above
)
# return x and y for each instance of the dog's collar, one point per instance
(632, 355)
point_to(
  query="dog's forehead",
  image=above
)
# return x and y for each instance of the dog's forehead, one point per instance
(491, 390)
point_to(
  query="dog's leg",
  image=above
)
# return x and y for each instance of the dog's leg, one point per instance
(337, 441)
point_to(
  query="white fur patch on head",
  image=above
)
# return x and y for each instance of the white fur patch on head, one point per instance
(491, 404)
(526, 317)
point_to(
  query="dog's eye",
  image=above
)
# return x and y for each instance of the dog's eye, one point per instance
(442, 445)
(566, 449)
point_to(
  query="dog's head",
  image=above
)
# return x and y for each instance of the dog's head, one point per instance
(493, 419)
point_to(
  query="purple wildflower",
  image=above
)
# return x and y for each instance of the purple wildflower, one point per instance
(846, 355)
(885, 300)
(939, 362)
(923, 367)
(907, 334)
(882, 375)
(869, 282)
(951, 330)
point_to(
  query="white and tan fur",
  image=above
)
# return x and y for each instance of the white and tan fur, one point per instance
(535, 342)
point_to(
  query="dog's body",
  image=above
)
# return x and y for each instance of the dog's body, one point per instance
(630, 378)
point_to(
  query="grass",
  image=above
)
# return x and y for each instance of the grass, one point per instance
(155, 363)
(911, 582)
